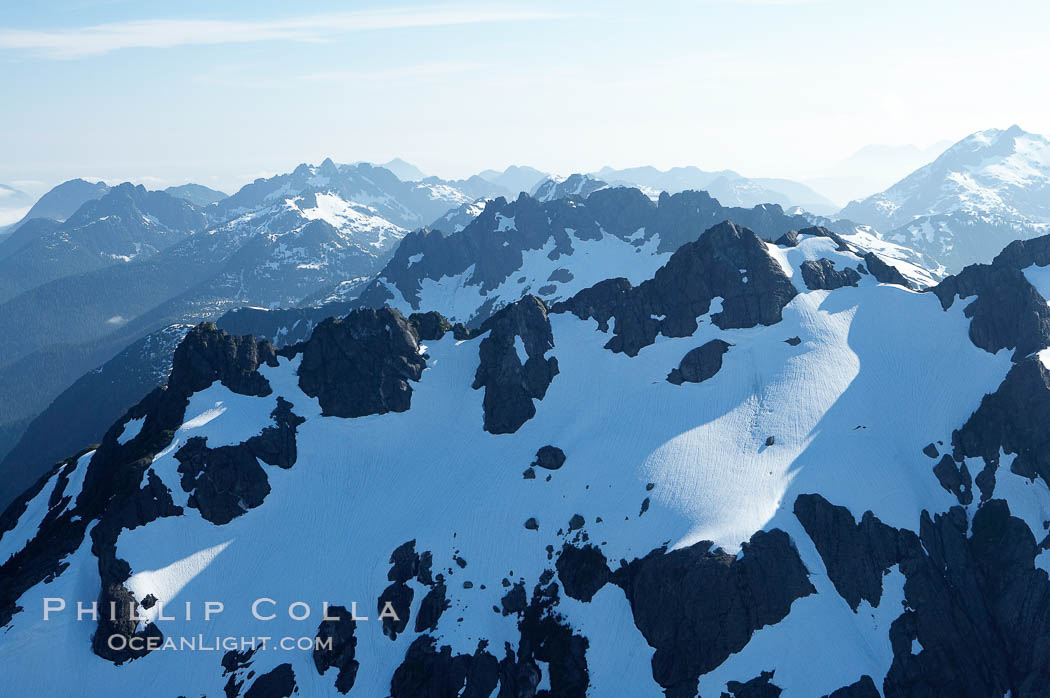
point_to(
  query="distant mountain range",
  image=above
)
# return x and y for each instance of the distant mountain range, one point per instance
(127, 262)
(196, 194)
(986, 190)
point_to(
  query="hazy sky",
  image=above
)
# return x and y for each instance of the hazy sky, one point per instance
(223, 92)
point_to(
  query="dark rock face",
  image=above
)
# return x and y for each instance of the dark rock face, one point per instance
(582, 571)
(279, 682)
(955, 478)
(863, 688)
(699, 364)
(510, 385)
(340, 654)
(696, 606)
(930, 450)
(404, 563)
(759, 687)
(884, 272)
(549, 458)
(225, 482)
(545, 637)
(978, 606)
(431, 607)
(793, 341)
(1013, 419)
(436, 673)
(399, 596)
(856, 555)
(788, 239)
(1008, 312)
(207, 355)
(822, 274)
(234, 665)
(715, 265)
(430, 326)
(361, 364)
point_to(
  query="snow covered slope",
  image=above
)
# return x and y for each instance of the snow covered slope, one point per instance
(751, 471)
(989, 188)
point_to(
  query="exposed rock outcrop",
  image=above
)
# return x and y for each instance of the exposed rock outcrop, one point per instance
(582, 571)
(279, 682)
(856, 555)
(1012, 419)
(1007, 313)
(727, 262)
(360, 364)
(429, 671)
(884, 272)
(698, 605)
(337, 648)
(511, 381)
(821, 274)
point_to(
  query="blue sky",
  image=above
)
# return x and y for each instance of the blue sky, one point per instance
(222, 92)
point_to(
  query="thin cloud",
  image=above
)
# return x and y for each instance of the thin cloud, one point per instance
(412, 71)
(168, 33)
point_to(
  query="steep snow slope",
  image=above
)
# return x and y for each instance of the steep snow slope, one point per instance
(847, 409)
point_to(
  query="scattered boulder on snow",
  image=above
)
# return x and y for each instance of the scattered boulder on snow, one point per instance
(822, 274)
(699, 364)
(793, 341)
(549, 458)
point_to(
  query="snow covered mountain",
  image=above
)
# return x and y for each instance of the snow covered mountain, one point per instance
(986, 190)
(405, 204)
(580, 185)
(760, 469)
(555, 248)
